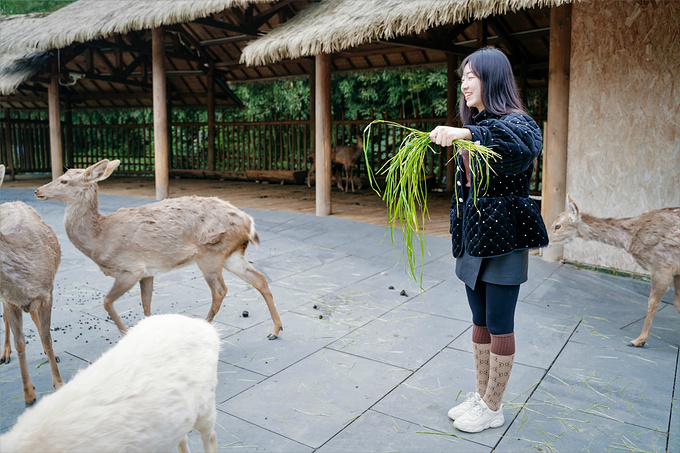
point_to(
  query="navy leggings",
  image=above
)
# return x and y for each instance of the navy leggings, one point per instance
(493, 306)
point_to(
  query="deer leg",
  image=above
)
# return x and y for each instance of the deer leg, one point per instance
(310, 172)
(183, 446)
(44, 315)
(122, 285)
(210, 265)
(15, 322)
(205, 425)
(238, 265)
(7, 346)
(660, 283)
(146, 287)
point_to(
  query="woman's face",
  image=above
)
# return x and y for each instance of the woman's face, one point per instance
(471, 87)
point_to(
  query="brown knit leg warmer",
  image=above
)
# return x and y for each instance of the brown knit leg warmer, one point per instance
(481, 348)
(501, 359)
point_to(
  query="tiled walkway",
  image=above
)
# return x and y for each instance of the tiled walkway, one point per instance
(366, 363)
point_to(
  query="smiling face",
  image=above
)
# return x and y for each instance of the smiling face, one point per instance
(471, 86)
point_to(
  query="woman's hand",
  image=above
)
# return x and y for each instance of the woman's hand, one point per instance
(445, 135)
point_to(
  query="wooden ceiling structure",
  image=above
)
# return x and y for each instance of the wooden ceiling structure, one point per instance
(114, 71)
(135, 55)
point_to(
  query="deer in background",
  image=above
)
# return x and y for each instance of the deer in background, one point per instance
(29, 259)
(345, 156)
(133, 245)
(653, 240)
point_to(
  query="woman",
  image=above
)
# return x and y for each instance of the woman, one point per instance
(493, 231)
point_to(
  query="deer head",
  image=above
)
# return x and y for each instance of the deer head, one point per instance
(565, 226)
(71, 185)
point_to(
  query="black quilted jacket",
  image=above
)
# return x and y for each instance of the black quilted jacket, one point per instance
(504, 218)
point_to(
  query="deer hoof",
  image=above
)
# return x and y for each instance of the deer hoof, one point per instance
(633, 345)
(56, 357)
(30, 403)
(271, 336)
(5, 360)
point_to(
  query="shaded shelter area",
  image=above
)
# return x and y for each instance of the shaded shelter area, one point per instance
(93, 55)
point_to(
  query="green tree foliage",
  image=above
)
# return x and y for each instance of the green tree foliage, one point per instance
(30, 6)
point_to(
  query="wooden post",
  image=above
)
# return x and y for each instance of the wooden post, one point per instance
(555, 149)
(8, 158)
(452, 81)
(323, 134)
(312, 109)
(211, 116)
(160, 114)
(56, 158)
(68, 130)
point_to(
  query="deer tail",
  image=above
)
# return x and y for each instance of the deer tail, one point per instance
(252, 235)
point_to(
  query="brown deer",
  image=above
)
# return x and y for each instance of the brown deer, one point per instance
(133, 245)
(653, 240)
(29, 259)
(345, 156)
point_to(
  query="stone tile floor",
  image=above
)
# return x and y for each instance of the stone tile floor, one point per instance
(377, 364)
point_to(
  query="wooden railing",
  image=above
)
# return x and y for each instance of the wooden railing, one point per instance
(240, 146)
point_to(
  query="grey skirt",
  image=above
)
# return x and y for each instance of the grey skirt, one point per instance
(510, 269)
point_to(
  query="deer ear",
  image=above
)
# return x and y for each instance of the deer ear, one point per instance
(99, 171)
(574, 213)
(2, 173)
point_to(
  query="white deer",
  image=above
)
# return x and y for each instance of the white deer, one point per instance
(133, 245)
(29, 259)
(653, 240)
(140, 395)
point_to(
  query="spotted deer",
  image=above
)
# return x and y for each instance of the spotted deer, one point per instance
(133, 245)
(29, 259)
(342, 157)
(652, 239)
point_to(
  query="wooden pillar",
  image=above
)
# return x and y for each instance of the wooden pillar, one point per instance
(555, 147)
(56, 159)
(160, 114)
(323, 134)
(312, 109)
(68, 132)
(452, 81)
(8, 157)
(211, 116)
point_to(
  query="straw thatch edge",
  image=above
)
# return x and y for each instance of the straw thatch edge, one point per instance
(17, 68)
(87, 20)
(335, 25)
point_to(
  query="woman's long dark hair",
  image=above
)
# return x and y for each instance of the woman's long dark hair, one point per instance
(500, 94)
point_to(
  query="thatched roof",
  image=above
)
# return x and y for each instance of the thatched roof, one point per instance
(335, 25)
(87, 20)
(15, 68)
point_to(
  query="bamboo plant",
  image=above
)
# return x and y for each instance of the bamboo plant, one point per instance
(405, 193)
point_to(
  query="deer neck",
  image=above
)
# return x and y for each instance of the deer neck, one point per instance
(616, 232)
(82, 220)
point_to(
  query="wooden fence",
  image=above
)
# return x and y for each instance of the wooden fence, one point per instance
(240, 146)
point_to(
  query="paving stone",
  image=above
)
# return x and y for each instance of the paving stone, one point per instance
(377, 432)
(312, 401)
(612, 384)
(554, 427)
(401, 337)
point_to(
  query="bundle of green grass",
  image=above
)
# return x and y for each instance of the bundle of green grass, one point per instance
(405, 192)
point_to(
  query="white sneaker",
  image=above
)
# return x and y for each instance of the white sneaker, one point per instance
(470, 401)
(479, 418)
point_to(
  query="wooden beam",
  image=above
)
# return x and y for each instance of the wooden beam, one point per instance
(56, 158)
(228, 27)
(160, 114)
(555, 150)
(323, 134)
